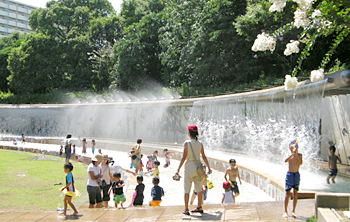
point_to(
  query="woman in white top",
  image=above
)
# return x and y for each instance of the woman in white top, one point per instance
(191, 154)
(106, 179)
(94, 173)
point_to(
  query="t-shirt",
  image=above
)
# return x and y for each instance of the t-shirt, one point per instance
(139, 190)
(105, 173)
(97, 171)
(228, 197)
(116, 189)
(157, 193)
(69, 179)
(155, 172)
(67, 144)
(149, 164)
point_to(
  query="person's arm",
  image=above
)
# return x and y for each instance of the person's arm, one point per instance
(223, 198)
(109, 173)
(239, 178)
(329, 162)
(205, 158)
(288, 158)
(110, 189)
(299, 157)
(226, 175)
(92, 176)
(183, 158)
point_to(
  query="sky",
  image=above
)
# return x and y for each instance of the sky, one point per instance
(42, 3)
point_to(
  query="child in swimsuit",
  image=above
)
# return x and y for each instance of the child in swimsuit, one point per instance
(149, 164)
(167, 158)
(332, 164)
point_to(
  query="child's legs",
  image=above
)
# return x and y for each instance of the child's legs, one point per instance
(295, 199)
(65, 200)
(286, 200)
(194, 195)
(333, 177)
(69, 200)
(328, 177)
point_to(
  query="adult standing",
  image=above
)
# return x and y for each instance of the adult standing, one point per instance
(94, 173)
(192, 151)
(137, 149)
(106, 179)
(67, 143)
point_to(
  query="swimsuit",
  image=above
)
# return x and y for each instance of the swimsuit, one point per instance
(333, 172)
(234, 187)
(292, 181)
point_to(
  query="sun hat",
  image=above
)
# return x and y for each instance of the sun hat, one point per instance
(105, 157)
(226, 184)
(193, 128)
(97, 157)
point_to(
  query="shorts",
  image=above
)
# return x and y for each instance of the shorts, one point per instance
(132, 165)
(68, 155)
(149, 168)
(292, 181)
(155, 203)
(137, 160)
(117, 198)
(333, 172)
(94, 194)
(191, 175)
(234, 187)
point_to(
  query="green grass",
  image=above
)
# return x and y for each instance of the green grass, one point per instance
(36, 190)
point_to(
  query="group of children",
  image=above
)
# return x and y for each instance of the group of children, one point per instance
(230, 185)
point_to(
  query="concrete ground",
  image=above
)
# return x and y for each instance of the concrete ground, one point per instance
(262, 211)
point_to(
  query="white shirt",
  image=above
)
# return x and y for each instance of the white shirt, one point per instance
(105, 172)
(97, 171)
(228, 197)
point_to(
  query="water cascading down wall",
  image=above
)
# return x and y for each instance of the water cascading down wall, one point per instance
(259, 125)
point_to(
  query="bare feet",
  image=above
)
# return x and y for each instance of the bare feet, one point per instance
(285, 215)
(63, 213)
(294, 215)
(75, 213)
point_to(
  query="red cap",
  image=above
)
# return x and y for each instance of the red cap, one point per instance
(193, 128)
(226, 185)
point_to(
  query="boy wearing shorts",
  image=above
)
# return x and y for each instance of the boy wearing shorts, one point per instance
(233, 174)
(294, 161)
(117, 187)
(332, 164)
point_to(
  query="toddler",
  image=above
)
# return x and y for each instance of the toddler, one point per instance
(139, 191)
(157, 193)
(117, 187)
(227, 196)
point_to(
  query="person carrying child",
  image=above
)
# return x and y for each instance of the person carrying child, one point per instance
(68, 168)
(294, 161)
(138, 201)
(332, 164)
(227, 196)
(157, 193)
(155, 171)
(233, 174)
(117, 187)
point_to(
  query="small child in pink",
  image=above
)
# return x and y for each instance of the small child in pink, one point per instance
(149, 164)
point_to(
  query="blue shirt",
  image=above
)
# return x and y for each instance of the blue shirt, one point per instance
(157, 193)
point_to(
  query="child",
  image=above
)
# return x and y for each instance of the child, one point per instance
(61, 152)
(117, 187)
(73, 149)
(141, 163)
(100, 151)
(138, 201)
(294, 161)
(157, 193)
(93, 143)
(233, 173)
(154, 155)
(227, 196)
(332, 164)
(68, 168)
(204, 187)
(167, 158)
(155, 171)
(133, 159)
(84, 146)
(149, 164)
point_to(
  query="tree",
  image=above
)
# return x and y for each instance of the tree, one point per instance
(6, 45)
(34, 69)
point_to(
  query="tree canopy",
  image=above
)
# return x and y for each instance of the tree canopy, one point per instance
(189, 46)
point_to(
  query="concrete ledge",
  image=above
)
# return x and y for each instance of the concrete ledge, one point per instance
(326, 215)
(332, 200)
